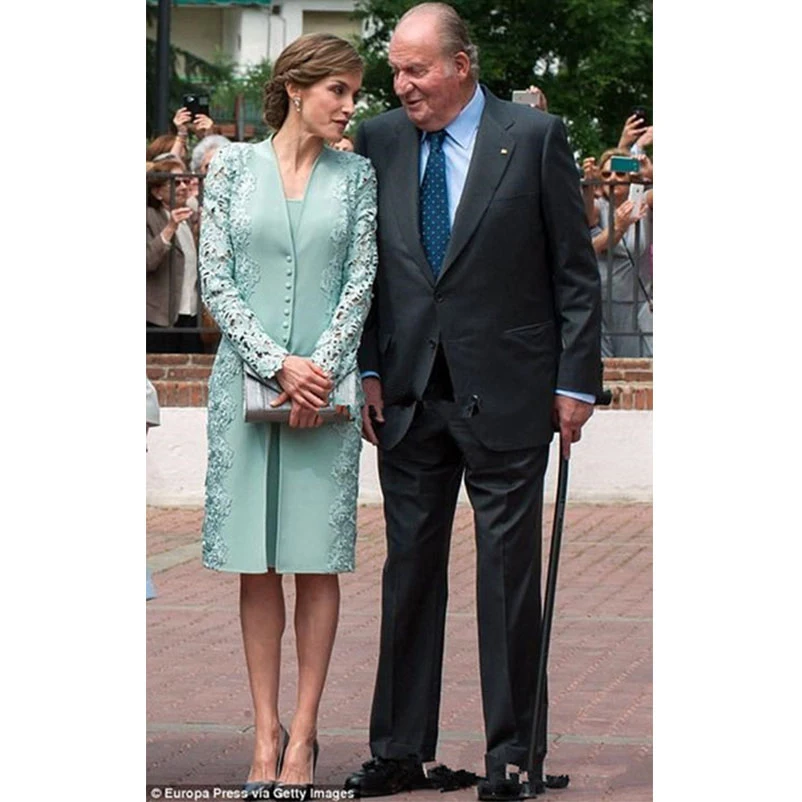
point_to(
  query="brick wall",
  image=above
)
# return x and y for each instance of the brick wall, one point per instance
(181, 379)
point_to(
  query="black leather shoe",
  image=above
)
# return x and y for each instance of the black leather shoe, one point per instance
(537, 787)
(385, 776)
(499, 789)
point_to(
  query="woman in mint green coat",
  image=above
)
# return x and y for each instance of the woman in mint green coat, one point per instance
(287, 261)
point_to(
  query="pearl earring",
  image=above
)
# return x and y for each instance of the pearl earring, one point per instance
(297, 101)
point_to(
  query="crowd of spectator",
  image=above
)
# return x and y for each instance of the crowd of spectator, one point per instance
(172, 233)
(618, 205)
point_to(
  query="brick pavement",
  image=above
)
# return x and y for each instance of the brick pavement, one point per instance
(199, 711)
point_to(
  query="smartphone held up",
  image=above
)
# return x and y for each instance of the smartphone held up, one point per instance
(532, 97)
(196, 104)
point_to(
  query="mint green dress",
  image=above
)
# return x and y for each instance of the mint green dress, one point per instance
(283, 277)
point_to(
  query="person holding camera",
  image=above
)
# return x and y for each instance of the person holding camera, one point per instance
(176, 144)
(623, 251)
(287, 262)
(171, 259)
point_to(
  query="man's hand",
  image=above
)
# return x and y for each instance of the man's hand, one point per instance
(304, 382)
(569, 416)
(373, 408)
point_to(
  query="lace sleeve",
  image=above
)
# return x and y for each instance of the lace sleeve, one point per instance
(224, 296)
(336, 347)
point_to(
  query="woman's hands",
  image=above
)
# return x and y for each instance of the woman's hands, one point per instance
(634, 128)
(308, 387)
(181, 120)
(203, 125)
(201, 122)
(646, 168)
(626, 215)
(305, 384)
(303, 418)
(177, 216)
(590, 170)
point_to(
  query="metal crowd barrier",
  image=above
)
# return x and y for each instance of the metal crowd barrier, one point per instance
(623, 307)
(627, 287)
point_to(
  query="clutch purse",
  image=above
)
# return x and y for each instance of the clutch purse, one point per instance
(258, 394)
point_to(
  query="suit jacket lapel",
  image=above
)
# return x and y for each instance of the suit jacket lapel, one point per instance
(492, 153)
(403, 178)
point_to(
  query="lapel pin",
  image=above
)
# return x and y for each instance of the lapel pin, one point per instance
(504, 151)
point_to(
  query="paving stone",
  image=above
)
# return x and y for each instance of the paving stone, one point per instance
(199, 709)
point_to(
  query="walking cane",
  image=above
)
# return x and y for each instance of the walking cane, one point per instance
(534, 785)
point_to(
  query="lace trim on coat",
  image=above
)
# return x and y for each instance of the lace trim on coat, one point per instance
(347, 283)
(226, 229)
(349, 275)
(220, 415)
(342, 513)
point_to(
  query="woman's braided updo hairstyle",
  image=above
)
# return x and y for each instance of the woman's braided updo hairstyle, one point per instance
(309, 59)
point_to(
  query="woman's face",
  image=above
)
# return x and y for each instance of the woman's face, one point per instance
(181, 190)
(327, 106)
(620, 192)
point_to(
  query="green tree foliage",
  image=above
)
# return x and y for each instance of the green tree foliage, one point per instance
(592, 58)
(195, 74)
(219, 79)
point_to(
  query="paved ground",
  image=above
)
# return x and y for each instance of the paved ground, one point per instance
(199, 711)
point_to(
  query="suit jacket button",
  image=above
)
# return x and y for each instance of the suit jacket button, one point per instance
(438, 298)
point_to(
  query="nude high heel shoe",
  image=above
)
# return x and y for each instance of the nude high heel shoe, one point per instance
(262, 789)
(302, 791)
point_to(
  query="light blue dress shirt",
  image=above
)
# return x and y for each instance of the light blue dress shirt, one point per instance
(458, 149)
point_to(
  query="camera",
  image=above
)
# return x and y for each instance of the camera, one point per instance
(196, 104)
(640, 112)
(527, 97)
(624, 164)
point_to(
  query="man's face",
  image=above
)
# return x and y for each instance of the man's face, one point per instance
(430, 85)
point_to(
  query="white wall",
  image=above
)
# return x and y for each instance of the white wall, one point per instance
(613, 462)
(247, 35)
(289, 24)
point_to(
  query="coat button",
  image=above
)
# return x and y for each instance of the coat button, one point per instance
(438, 298)
(289, 258)
(285, 325)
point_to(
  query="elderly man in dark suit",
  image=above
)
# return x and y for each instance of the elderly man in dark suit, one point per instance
(484, 337)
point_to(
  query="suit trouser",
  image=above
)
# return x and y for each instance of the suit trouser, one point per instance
(420, 481)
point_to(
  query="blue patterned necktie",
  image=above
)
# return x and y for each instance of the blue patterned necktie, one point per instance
(435, 224)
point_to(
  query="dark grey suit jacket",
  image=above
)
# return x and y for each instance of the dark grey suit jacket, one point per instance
(517, 303)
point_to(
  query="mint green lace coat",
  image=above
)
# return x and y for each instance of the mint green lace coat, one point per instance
(277, 496)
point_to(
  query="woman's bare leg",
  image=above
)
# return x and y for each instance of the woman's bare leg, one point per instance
(317, 606)
(263, 619)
